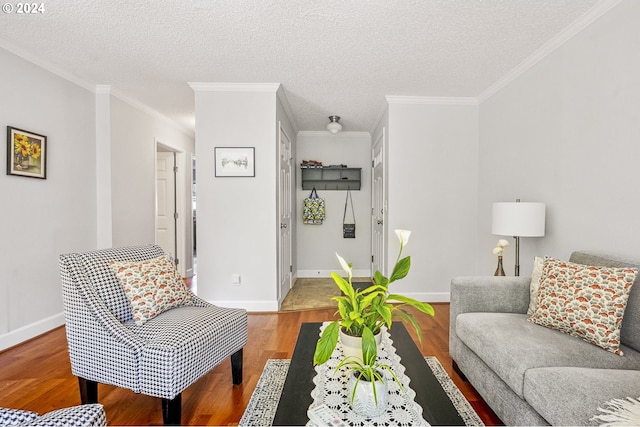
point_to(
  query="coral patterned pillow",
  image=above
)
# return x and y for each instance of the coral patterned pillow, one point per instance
(152, 286)
(584, 301)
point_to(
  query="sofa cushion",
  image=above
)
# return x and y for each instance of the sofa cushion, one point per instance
(571, 396)
(630, 330)
(584, 301)
(152, 286)
(510, 345)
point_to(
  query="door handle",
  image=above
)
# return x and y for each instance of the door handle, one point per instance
(379, 222)
(283, 225)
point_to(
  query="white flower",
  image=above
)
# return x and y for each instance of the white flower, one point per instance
(499, 250)
(345, 265)
(403, 236)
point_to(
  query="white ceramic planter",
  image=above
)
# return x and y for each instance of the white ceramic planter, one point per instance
(363, 402)
(352, 346)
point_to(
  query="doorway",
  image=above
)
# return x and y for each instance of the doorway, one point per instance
(285, 262)
(174, 206)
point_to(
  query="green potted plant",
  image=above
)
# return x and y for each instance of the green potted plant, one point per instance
(369, 395)
(367, 310)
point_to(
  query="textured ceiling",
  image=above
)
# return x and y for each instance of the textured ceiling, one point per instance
(331, 57)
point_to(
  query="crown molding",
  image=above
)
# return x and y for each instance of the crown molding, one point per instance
(234, 87)
(431, 100)
(146, 109)
(47, 66)
(576, 27)
(103, 89)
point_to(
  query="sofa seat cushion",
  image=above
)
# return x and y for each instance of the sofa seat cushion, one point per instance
(572, 396)
(184, 343)
(510, 345)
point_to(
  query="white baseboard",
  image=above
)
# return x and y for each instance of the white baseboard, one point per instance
(429, 296)
(309, 274)
(254, 306)
(32, 330)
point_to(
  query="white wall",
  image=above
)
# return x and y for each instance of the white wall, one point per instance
(237, 216)
(134, 134)
(318, 244)
(41, 219)
(432, 182)
(566, 133)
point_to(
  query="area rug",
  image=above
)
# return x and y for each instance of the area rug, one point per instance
(264, 401)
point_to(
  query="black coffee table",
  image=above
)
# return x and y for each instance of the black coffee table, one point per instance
(437, 408)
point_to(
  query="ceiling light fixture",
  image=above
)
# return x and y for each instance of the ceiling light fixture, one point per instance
(334, 126)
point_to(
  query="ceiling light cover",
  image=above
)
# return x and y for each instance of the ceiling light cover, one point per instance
(334, 126)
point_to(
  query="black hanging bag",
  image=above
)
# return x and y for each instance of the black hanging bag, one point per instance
(348, 230)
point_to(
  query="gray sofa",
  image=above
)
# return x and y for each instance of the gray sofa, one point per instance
(532, 375)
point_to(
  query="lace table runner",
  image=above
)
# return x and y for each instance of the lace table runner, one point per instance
(331, 388)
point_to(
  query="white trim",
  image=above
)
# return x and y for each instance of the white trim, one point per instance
(252, 306)
(154, 113)
(429, 296)
(310, 274)
(234, 87)
(20, 335)
(431, 100)
(47, 66)
(577, 26)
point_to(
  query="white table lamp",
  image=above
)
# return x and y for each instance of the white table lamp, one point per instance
(518, 219)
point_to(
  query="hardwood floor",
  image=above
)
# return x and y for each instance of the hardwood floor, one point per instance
(36, 375)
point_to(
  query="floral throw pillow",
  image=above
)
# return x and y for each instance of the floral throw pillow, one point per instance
(152, 286)
(584, 301)
(536, 274)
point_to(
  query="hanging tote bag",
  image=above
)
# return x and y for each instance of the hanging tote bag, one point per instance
(313, 209)
(348, 229)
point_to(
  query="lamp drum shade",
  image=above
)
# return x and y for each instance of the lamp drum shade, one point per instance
(522, 219)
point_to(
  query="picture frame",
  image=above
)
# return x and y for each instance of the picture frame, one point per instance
(234, 161)
(26, 153)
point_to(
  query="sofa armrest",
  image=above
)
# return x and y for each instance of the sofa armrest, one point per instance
(497, 294)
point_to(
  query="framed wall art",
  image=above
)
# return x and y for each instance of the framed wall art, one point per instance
(235, 161)
(26, 153)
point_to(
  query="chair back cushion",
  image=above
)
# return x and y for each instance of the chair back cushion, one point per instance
(95, 267)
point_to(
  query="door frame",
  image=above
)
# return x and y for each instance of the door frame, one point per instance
(379, 145)
(183, 207)
(285, 200)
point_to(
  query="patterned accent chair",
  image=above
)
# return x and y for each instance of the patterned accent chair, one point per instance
(160, 358)
(75, 416)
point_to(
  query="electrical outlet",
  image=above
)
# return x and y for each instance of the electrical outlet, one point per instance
(235, 279)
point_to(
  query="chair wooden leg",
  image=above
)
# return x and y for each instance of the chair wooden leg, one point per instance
(172, 411)
(236, 367)
(88, 391)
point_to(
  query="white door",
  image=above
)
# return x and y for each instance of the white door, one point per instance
(166, 202)
(378, 207)
(284, 214)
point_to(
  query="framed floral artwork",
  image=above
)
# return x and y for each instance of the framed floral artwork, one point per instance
(235, 161)
(26, 153)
